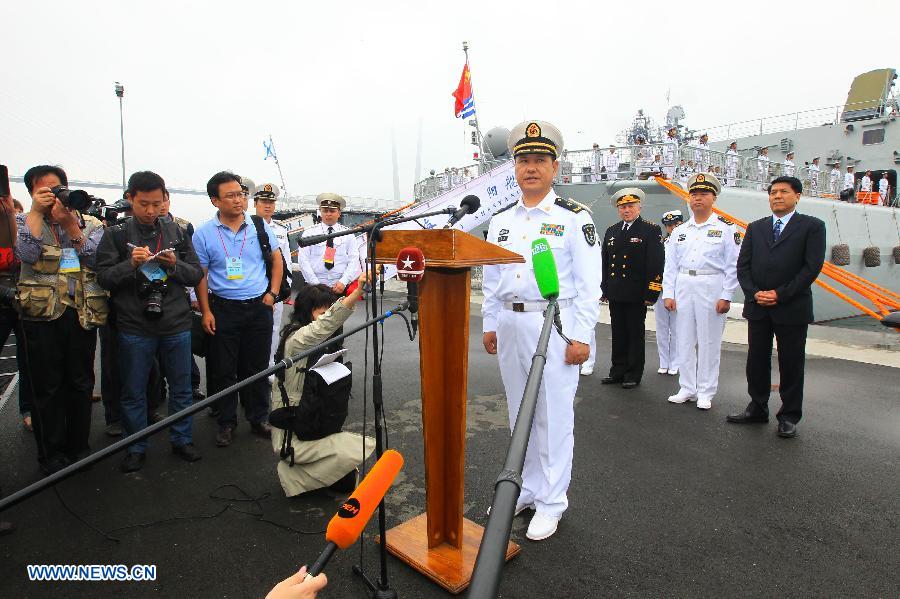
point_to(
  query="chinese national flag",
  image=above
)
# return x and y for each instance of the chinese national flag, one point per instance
(464, 91)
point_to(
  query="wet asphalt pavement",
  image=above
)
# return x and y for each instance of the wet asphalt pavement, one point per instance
(665, 500)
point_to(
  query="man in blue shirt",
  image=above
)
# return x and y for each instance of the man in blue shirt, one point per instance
(236, 299)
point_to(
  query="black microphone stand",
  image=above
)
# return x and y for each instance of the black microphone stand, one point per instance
(199, 406)
(381, 589)
(492, 553)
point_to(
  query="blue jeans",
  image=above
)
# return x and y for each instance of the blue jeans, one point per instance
(136, 355)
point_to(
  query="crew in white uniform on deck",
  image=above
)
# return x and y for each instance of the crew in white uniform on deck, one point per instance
(670, 153)
(814, 171)
(334, 262)
(865, 183)
(834, 179)
(698, 284)
(701, 153)
(883, 186)
(264, 202)
(789, 168)
(611, 162)
(762, 169)
(731, 165)
(513, 316)
(666, 345)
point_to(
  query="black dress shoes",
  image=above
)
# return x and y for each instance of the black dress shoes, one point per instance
(787, 429)
(187, 452)
(630, 384)
(746, 417)
(132, 462)
(610, 380)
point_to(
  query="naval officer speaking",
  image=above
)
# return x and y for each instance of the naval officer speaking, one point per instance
(513, 315)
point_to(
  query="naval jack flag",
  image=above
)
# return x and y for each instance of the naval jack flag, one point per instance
(465, 102)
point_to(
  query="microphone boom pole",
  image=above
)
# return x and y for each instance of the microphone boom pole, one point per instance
(34, 488)
(492, 553)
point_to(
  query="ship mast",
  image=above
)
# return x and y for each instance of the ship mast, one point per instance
(474, 121)
(278, 164)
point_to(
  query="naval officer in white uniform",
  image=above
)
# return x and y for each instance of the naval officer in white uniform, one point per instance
(732, 160)
(513, 316)
(334, 262)
(666, 339)
(698, 283)
(670, 153)
(264, 198)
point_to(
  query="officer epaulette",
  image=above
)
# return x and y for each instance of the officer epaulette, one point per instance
(571, 205)
(725, 220)
(650, 222)
(507, 207)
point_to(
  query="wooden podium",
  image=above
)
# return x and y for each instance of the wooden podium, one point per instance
(440, 543)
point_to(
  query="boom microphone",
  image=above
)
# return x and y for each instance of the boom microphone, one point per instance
(468, 205)
(544, 269)
(352, 517)
(411, 268)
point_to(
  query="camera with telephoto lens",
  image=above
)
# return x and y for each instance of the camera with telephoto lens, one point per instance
(73, 199)
(152, 293)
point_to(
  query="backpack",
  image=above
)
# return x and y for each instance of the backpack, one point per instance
(284, 292)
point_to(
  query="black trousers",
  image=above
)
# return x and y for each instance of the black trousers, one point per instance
(10, 323)
(791, 358)
(627, 340)
(61, 359)
(240, 348)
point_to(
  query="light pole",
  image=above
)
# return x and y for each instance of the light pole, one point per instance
(120, 92)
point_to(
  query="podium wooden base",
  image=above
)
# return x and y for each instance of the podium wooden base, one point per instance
(446, 565)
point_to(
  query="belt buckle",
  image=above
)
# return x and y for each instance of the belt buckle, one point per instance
(692, 273)
(518, 307)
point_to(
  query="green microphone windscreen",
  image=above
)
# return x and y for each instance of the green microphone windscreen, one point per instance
(544, 268)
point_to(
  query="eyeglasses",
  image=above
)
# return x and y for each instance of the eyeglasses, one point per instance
(235, 195)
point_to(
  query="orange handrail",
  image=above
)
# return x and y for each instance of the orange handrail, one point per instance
(880, 297)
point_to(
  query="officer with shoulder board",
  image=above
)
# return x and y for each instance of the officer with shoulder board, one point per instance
(633, 258)
(513, 316)
(61, 304)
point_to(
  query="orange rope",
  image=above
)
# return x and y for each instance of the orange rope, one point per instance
(879, 296)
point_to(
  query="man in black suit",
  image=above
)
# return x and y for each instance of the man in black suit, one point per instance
(633, 257)
(780, 258)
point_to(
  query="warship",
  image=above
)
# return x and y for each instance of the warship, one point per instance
(863, 132)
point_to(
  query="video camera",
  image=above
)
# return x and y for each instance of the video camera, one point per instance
(82, 201)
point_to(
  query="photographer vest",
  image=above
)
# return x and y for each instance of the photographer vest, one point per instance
(44, 293)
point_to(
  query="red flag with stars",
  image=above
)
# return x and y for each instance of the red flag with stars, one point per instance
(463, 92)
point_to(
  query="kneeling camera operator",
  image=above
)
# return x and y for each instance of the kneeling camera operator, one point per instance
(146, 262)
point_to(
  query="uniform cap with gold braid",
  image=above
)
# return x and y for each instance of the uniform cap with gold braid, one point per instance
(628, 195)
(266, 191)
(331, 200)
(704, 182)
(672, 216)
(535, 137)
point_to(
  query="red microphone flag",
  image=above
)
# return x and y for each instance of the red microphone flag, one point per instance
(410, 264)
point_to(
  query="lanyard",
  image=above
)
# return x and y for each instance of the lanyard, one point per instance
(223, 242)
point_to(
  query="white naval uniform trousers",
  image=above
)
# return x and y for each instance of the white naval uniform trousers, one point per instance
(762, 172)
(666, 345)
(701, 268)
(548, 460)
(592, 356)
(611, 162)
(281, 234)
(883, 192)
(814, 179)
(834, 177)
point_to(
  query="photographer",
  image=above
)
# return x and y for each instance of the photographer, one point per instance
(61, 305)
(146, 262)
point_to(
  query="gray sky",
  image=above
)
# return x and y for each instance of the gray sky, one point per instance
(206, 82)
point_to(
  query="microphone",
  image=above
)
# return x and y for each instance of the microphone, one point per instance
(544, 269)
(353, 515)
(411, 268)
(468, 205)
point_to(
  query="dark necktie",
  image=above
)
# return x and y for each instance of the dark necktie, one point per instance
(625, 228)
(776, 233)
(329, 264)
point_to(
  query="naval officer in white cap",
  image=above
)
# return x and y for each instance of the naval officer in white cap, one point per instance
(698, 282)
(666, 345)
(334, 262)
(513, 315)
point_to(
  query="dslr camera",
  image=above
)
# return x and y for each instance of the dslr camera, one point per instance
(152, 293)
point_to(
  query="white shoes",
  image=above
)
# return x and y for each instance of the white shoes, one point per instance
(662, 371)
(542, 526)
(586, 370)
(704, 403)
(520, 507)
(672, 371)
(680, 397)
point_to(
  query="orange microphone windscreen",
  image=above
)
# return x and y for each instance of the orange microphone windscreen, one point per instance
(352, 517)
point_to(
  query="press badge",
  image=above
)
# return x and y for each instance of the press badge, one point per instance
(154, 272)
(234, 268)
(69, 261)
